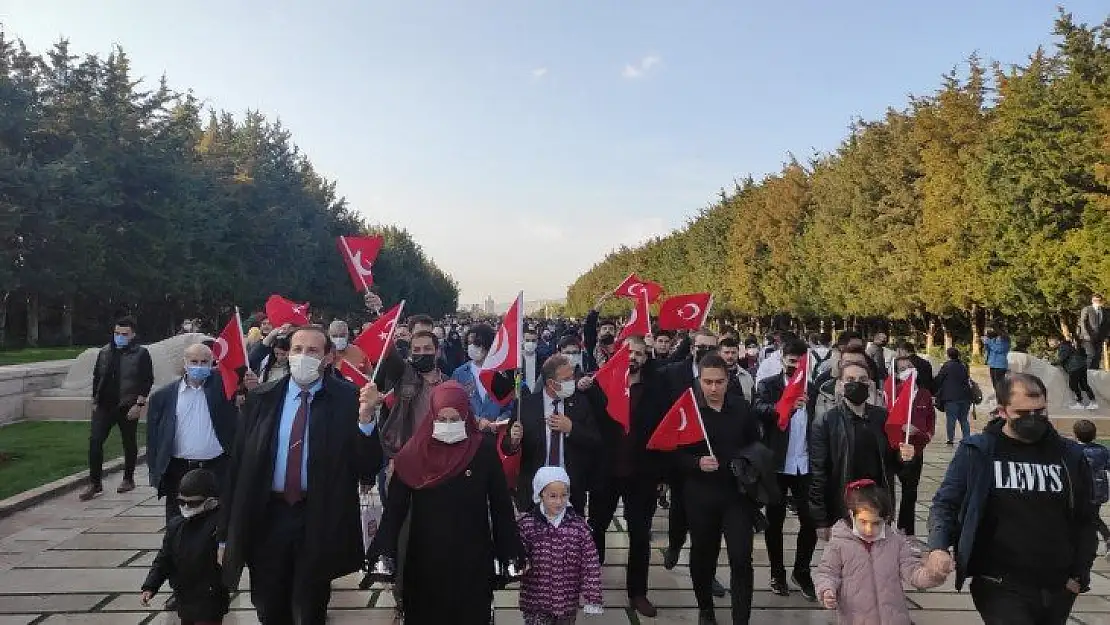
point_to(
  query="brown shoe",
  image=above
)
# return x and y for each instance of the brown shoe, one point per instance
(92, 491)
(126, 486)
(643, 607)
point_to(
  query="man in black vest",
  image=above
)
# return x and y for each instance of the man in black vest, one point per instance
(122, 379)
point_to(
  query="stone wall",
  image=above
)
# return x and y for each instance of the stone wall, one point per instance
(20, 383)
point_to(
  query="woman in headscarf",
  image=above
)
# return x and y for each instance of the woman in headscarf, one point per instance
(449, 484)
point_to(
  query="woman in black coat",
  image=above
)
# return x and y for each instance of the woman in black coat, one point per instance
(448, 485)
(953, 385)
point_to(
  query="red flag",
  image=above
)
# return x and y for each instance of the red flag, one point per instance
(680, 426)
(685, 312)
(504, 354)
(888, 392)
(390, 399)
(639, 324)
(633, 286)
(281, 311)
(899, 410)
(352, 373)
(230, 354)
(359, 254)
(612, 379)
(374, 340)
(795, 389)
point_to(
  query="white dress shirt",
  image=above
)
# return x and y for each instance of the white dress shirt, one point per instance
(797, 456)
(194, 437)
(548, 410)
(770, 367)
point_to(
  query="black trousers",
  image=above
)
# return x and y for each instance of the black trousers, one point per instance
(714, 509)
(910, 478)
(282, 591)
(1078, 383)
(1003, 603)
(1094, 354)
(677, 524)
(796, 486)
(103, 420)
(176, 469)
(639, 496)
(996, 376)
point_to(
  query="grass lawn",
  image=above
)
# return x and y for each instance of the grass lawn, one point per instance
(38, 354)
(37, 452)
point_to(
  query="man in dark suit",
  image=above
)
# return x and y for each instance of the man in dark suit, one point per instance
(628, 471)
(291, 509)
(558, 430)
(1094, 326)
(190, 425)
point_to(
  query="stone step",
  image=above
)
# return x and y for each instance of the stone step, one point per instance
(58, 408)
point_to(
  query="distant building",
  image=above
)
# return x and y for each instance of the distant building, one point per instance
(491, 306)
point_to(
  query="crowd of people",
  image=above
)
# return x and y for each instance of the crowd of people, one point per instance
(483, 488)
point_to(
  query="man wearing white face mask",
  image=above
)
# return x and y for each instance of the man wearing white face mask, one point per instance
(532, 361)
(486, 408)
(558, 430)
(291, 508)
(340, 335)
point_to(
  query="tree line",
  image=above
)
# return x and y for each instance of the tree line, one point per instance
(984, 202)
(117, 197)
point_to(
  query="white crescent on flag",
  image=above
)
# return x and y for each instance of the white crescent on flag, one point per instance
(682, 415)
(299, 308)
(219, 348)
(635, 314)
(499, 351)
(635, 289)
(363, 269)
(693, 315)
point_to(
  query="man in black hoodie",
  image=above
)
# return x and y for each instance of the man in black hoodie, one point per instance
(1015, 506)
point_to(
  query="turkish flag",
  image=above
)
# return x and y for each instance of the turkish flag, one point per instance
(504, 354)
(612, 379)
(680, 426)
(374, 340)
(899, 408)
(633, 286)
(359, 254)
(685, 312)
(352, 373)
(230, 354)
(281, 311)
(795, 389)
(639, 324)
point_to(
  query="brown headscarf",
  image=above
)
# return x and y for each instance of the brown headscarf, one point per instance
(424, 461)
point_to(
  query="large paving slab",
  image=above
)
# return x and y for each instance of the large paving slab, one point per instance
(66, 561)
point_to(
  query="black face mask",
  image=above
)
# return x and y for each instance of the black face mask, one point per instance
(856, 392)
(1030, 425)
(789, 371)
(423, 363)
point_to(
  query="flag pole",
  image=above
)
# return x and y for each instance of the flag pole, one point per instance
(239, 320)
(697, 409)
(388, 341)
(351, 259)
(909, 413)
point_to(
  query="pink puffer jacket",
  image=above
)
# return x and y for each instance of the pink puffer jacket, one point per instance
(868, 584)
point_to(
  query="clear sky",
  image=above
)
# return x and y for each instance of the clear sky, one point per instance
(519, 141)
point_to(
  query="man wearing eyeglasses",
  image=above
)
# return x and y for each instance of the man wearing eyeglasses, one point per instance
(1015, 507)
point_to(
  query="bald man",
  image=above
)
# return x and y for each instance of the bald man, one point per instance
(190, 425)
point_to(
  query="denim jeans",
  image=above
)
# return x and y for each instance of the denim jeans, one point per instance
(957, 411)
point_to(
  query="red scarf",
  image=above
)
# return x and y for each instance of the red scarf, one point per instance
(424, 461)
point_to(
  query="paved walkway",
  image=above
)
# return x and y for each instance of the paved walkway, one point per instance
(70, 562)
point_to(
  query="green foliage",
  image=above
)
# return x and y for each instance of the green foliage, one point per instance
(118, 197)
(987, 200)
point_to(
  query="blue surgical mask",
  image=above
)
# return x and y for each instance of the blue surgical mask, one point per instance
(120, 340)
(198, 372)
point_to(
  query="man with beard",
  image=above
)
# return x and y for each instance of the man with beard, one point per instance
(629, 471)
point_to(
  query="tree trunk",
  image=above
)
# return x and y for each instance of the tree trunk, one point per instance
(4, 318)
(67, 320)
(948, 342)
(822, 326)
(976, 340)
(32, 320)
(930, 333)
(1065, 329)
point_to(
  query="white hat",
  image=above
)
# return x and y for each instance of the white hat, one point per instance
(544, 477)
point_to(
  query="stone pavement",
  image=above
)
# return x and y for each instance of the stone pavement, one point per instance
(70, 562)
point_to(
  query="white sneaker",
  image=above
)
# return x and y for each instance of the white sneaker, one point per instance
(1092, 406)
(1076, 406)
